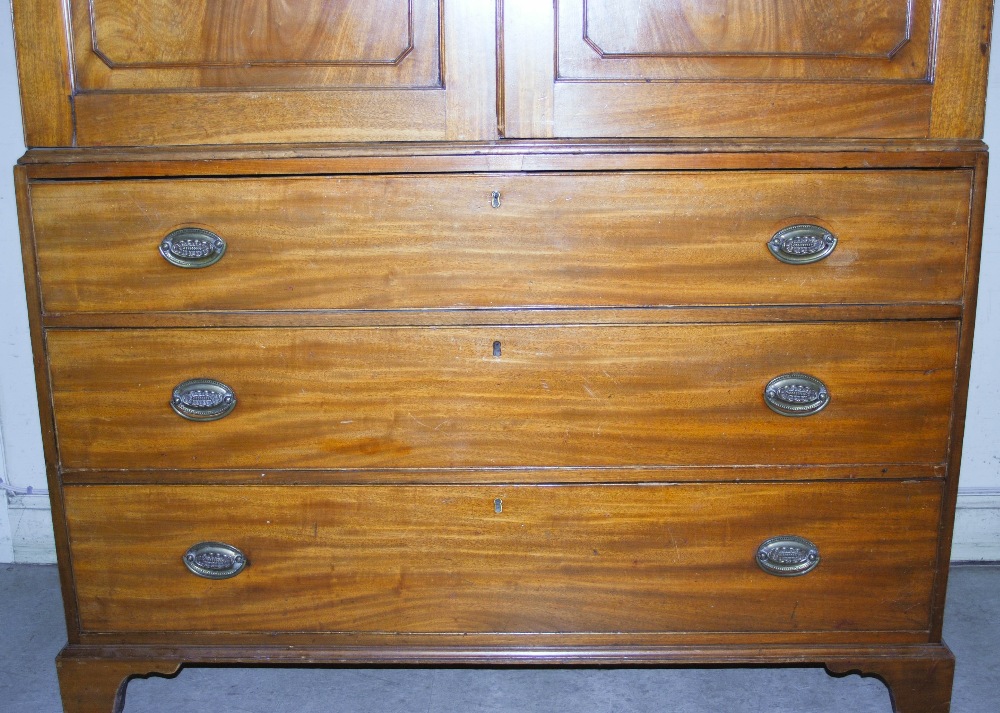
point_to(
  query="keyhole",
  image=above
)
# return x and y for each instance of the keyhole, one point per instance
(498, 505)
(496, 349)
(495, 202)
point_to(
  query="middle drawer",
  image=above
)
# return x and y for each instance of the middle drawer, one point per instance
(469, 397)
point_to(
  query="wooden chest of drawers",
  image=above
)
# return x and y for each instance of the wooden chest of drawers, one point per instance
(480, 390)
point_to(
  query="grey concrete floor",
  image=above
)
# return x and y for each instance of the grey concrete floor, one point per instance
(33, 631)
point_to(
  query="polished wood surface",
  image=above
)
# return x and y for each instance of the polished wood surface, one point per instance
(438, 476)
(916, 684)
(442, 559)
(555, 396)
(44, 73)
(400, 70)
(870, 40)
(921, 673)
(960, 71)
(508, 317)
(138, 75)
(772, 109)
(960, 405)
(46, 417)
(200, 44)
(508, 155)
(617, 68)
(533, 433)
(619, 240)
(97, 685)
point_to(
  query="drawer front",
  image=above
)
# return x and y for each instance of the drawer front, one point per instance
(505, 559)
(552, 240)
(503, 396)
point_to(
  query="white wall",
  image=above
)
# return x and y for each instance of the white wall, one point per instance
(977, 526)
(25, 532)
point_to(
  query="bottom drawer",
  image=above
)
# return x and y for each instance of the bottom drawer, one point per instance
(605, 559)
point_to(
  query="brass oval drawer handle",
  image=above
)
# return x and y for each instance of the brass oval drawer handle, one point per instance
(787, 556)
(214, 560)
(192, 248)
(796, 395)
(802, 244)
(202, 400)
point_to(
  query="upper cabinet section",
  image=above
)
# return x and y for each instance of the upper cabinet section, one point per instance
(156, 72)
(177, 72)
(745, 68)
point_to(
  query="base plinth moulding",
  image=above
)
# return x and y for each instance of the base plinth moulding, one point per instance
(919, 678)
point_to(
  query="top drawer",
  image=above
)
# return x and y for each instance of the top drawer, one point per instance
(494, 241)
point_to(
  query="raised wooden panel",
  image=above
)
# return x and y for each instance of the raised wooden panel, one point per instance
(145, 44)
(618, 560)
(862, 28)
(207, 32)
(749, 68)
(461, 397)
(150, 73)
(744, 39)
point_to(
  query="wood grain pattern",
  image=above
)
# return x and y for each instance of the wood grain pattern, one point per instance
(961, 392)
(528, 45)
(557, 396)
(43, 72)
(394, 242)
(860, 28)
(493, 648)
(46, 418)
(958, 106)
(400, 649)
(480, 476)
(200, 44)
(147, 106)
(525, 434)
(97, 685)
(441, 559)
(771, 109)
(196, 32)
(919, 677)
(552, 155)
(698, 78)
(761, 40)
(417, 99)
(508, 317)
(124, 118)
(470, 56)
(917, 684)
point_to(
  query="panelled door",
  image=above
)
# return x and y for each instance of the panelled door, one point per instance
(264, 71)
(764, 68)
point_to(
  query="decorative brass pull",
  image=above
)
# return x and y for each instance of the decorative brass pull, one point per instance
(787, 556)
(802, 244)
(214, 560)
(796, 395)
(192, 248)
(203, 400)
